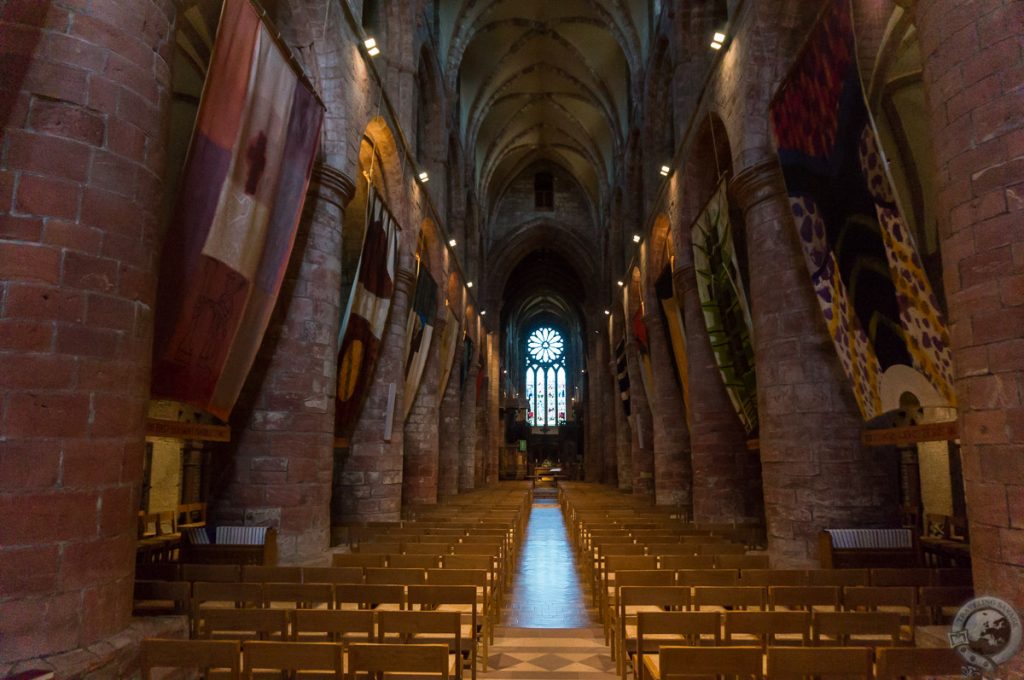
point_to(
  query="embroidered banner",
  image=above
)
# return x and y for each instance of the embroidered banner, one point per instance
(870, 283)
(236, 216)
(367, 313)
(644, 352)
(673, 315)
(418, 333)
(622, 376)
(723, 300)
(449, 343)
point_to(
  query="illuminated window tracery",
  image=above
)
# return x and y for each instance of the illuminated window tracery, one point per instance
(545, 378)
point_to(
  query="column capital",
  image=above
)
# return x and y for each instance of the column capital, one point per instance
(759, 182)
(331, 184)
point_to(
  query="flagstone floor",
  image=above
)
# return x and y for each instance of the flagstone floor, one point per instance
(548, 632)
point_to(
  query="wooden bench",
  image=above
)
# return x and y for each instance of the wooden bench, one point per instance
(868, 548)
(231, 545)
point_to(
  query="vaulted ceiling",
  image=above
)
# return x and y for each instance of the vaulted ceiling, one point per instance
(543, 80)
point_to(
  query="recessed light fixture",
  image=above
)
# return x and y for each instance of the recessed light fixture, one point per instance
(424, 176)
(607, 313)
(665, 170)
(636, 238)
(717, 41)
(453, 243)
(469, 284)
(371, 47)
(620, 283)
(483, 312)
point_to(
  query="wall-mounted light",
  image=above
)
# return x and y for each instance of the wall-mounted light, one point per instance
(424, 176)
(607, 312)
(636, 238)
(483, 312)
(371, 47)
(469, 284)
(717, 41)
(453, 243)
(620, 284)
(665, 170)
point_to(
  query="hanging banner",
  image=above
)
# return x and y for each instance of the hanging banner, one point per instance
(449, 343)
(367, 313)
(237, 212)
(418, 333)
(673, 315)
(644, 353)
(723, 301)
(622, 376)
(878, 304)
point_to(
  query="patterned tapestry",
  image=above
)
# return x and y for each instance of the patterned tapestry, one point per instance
(362, 328)
(723, 300)
(418, 333)
(622, 376)
(872, 288)
(673, 315)
(237, 213)
(449, 343)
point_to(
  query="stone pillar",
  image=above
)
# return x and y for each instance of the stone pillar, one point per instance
(495, 426)
(420, 475)
(611, 409)
(368, 477)
(642, 441)
(972, 65)
(623, 435)
(84, 106)
(673, 472)
(283, 445)
(719, 455)
(468, 434)
(449, 430)
(594, 444)
(816, 473)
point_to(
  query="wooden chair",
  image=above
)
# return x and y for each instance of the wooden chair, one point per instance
(916, 662)
(838, 628)
(720, 549)
(673, 549)
(298, 658)
(243, 624)
(773, 577)
(934, 600)
(220, 659)
(298, 595)
(804, 598)
(214, 595)
(654, 629)
(902, 577)
(425, 627)
(377, 548)
(333, 625)
(462, 599)
(707, 577)
(609, 567)
(643, 577)
(672, 661)
(257, 573)
(631, 601)
(359, 559)
(191, 515)
(368, 596)
(475, 562)
(396, 575)
(876, 598)
(479, 580)
(724, 597)
(367, 659)
(410, 561)
(785, 663)
(332, 574)
(427, 548)
(211, 573)
(690, 561)
(767, 627)
(838, 577)
(726, 561)
(160, 598)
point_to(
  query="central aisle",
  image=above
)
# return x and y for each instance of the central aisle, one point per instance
(548, 632)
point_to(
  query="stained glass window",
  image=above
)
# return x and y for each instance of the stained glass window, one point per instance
(545, 378)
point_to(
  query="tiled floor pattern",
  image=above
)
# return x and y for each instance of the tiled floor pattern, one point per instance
(548, 633)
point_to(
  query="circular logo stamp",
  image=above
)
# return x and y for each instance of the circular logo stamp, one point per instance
(986, 632)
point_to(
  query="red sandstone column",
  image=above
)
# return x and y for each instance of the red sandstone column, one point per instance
(722, 476)
(468, 435)
(673, 474)
(816, 473)
(594, 444)
(83, 104)
(495, 427)
(612, 410)
(972, 75)
(450, 427)
(368, 486)
(284, 441)
(642, 441)
(623, 435)
(420, 475)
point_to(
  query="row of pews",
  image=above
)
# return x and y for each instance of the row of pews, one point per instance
(390, 601)
(683, 598)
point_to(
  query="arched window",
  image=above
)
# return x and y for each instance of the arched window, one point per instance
(545, 378)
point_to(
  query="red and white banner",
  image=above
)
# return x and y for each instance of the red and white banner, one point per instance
(237, 213)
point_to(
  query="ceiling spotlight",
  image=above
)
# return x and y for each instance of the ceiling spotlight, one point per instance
(371, 47)
(620, 283)
(665, 170)
(424, 176)
(636, 238)
(483, 312)
(717, 41)
(453, 243)
(607, 313)
(469, 284)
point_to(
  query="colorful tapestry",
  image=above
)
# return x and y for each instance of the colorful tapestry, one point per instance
(622, 376)
(449, 343)
(366, 315)
(723, 301)
(418, 333)
(673, 315)
(237, 213)
(644, 352)
(872, 288)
